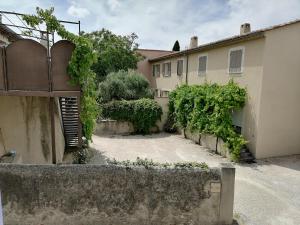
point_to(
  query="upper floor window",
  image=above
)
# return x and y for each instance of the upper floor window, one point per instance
(166, 70)
(164, 94)
(202, 67)
(236, 58)
(179, 67)
(156, 70)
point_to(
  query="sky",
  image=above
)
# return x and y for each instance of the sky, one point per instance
(159, 23)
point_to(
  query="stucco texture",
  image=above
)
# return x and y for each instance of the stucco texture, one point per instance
(110, 195)
(25, 128)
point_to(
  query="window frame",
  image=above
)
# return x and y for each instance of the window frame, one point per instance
(242, 60)
(202, 73)
(157, 93)
(163, 69)
(180, 59)
(162, 91)
(153, 70)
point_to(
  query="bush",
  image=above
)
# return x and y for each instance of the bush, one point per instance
(124, 85)
(142, 113)
(207, 109)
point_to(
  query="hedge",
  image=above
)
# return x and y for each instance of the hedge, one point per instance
(142, 113)
(207, 109)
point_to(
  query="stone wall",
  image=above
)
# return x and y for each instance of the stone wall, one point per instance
(110, 195)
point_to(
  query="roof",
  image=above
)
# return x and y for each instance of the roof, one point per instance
(154, 50)
(152, 53)
(224, 42)
(11, 35)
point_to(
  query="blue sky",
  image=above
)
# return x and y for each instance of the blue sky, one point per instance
(159, 23)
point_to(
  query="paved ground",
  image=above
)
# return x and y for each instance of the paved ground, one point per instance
(266, 193)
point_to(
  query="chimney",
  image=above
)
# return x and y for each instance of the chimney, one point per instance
(194, 42)
(245, 28)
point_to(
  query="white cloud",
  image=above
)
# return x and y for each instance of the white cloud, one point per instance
(159, 23)
(113, 4)
(77, 11)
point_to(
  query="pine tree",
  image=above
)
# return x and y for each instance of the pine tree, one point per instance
(176, 46)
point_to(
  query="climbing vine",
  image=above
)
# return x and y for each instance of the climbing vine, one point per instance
(83, 57)
(207, 109)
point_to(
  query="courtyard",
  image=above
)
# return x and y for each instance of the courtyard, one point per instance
(266, 192)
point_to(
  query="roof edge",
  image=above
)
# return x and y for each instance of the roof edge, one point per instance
(212, 45)
(228, 41)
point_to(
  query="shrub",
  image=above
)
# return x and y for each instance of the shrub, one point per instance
(207, 109)
(142, 113)
(124, 85)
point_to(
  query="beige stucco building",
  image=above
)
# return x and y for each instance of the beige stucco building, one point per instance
(7, 35)
(266, 62)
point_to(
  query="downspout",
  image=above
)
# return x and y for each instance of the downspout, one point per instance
(187, 69)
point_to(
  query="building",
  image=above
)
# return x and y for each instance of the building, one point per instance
(39, 109)
(143, 66)
(266, 62)
(7, 35)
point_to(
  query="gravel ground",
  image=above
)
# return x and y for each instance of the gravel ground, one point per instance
(266, 193)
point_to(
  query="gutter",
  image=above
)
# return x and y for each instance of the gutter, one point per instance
(187, 69)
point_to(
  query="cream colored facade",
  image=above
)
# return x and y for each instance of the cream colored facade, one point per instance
(270, 72)
(25, 128)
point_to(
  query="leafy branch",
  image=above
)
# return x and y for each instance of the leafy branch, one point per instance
(207, 109)
(83, 57)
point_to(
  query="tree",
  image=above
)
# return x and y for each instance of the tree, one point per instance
(124, 85)
(176, 46)
(115, 52)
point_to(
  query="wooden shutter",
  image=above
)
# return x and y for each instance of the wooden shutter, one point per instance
(235, 63)
(202, 65)
(179, 67)
(169, 69)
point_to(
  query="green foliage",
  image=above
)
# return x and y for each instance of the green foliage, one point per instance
(207, 109)
(142, 113)
(149, 164)
(170, 124)
(82, 156)
(115, 52)
(176, 46)
(83, 57)
(124, 85)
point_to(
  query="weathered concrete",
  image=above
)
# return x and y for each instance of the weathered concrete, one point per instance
(108, 127)
(25, 128)
(110, 195)
(208, 141)
(194, 136)
(222, 149)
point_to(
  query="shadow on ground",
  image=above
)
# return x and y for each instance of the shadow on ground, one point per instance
(290, 162)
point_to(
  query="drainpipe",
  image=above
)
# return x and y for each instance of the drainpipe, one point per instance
(187, 69)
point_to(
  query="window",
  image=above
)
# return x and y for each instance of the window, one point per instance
(179, 67)
(156, 70)
(236, 58)
(164, 94)
(166, 70)
(202, 65)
